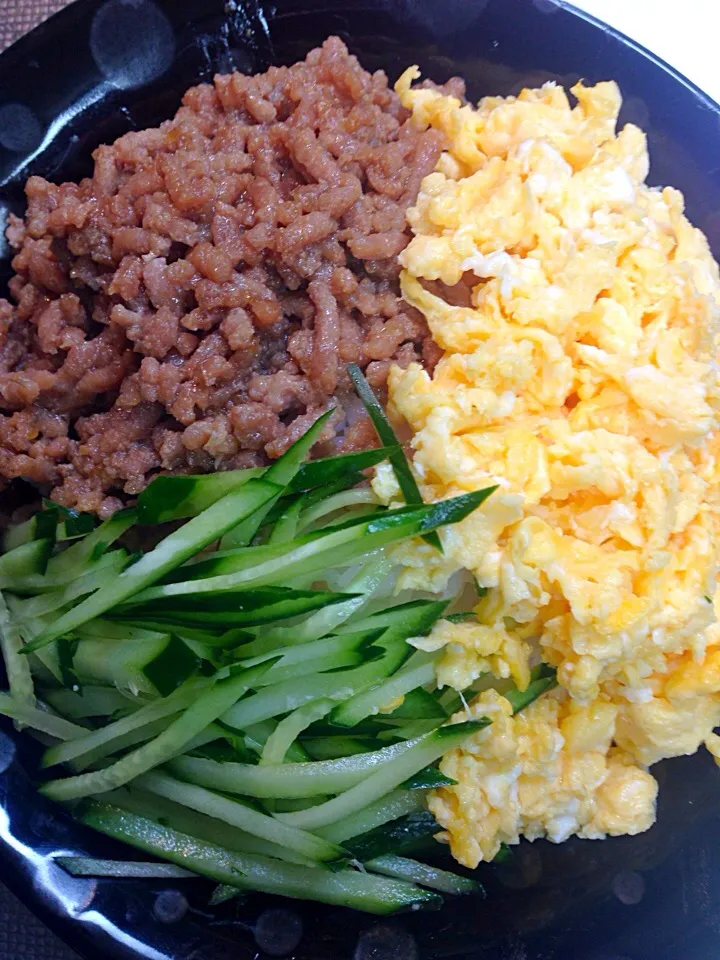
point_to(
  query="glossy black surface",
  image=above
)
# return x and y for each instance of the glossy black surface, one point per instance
(101, 68)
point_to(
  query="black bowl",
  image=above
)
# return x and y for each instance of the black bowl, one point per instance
(95, 71)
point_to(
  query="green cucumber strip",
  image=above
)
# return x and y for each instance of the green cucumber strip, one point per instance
(43, 525)
(428, 779)
(169, 814)
(463, 617)
(316, 552)
(348, 659)
(347, 888)
(389, 616)
(281, 473)
(310, 497)
(17, 667)
(72, 562)
(390, 865)
(255, 736)
(222, 893)
(292, 693)
(194, 536)
(326, 621)
(72, 524)
(171, 668)
(283, 697)
(383, 428)
(44, 665)
(66, 647)
(132, 739)
(418, 672)
(396, 804)
(394, 836)
(241, 816)
(101, 743)
(244, 533)
(90, 867)
(96, 576)
(20, 534)
(288, 730)
(418, 705)
(93, 701)
(543, 678)
(207, 707)
(402, 522)
(410, 730)
(328, 647)
(168, 554)
(210, 734)
(286, 526)
(28, 560)
(117, 662)
(289, 780)
(421, 753)
(38, 719)
(353, 515)
(102, 629)
(333, 748)
(224, 641)
(181, 497)
(320, 473)
(340, 501)
(241, 608)
(368, 728)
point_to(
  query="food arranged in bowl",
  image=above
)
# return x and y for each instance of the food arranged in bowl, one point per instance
(283, 638)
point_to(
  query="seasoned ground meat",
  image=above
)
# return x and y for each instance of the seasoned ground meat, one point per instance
(193, 305)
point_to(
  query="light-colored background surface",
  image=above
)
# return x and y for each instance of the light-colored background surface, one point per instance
(679, 31)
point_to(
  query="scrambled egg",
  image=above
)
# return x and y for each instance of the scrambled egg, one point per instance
(549, 771)
(578, 311)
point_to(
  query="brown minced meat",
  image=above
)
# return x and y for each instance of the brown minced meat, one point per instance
(193, 305)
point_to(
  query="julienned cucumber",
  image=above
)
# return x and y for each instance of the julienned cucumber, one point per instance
(420, 670)
(401, 868)
(290, 780)
(185, 542)
(231, 609)
(396, 804)
(287, 731)
(348, 888)
(40, 720)
(17, 667)
(543, 678)
(326, 621)
(29, 559)
(393, 837)
(240, 815)
(184, 820)
(289, 694)
(90, 867)
(100, 743)
(170, 553)
(383, 428)
(316, 552)
(251, 649)
(423, 752)
(208, 707)
(179, 498)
